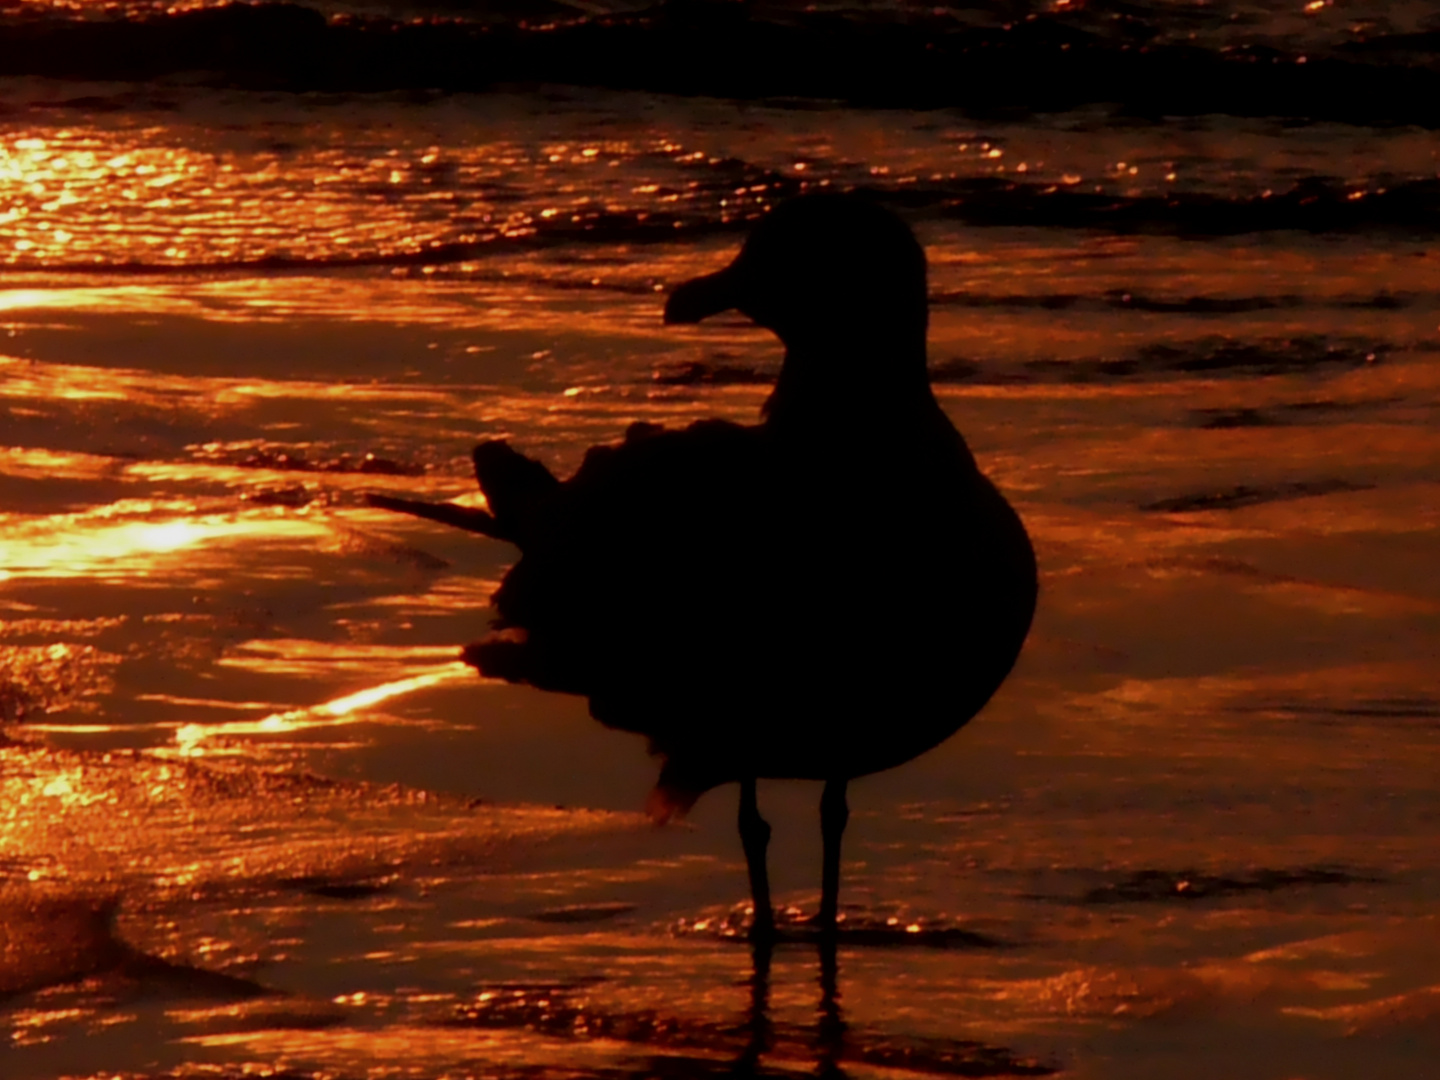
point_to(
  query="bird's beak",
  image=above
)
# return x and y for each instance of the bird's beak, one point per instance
(704, 296)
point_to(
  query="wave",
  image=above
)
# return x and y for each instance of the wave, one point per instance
(1314, 204)
(1213, 357)
(1244, 495)
(1148, 886)
(1041, 62)
(1407, 209)
(1118, 299)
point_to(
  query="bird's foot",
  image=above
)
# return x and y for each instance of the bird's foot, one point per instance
(762, 929)
(824, 924)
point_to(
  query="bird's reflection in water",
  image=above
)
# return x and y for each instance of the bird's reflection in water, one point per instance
(760, 1048)
(830, 1025)
(830, 1032)
(757, 1020)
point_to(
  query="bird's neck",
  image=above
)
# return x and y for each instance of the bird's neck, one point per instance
(852, 384)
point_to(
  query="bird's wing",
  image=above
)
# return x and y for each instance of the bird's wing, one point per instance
(641, 565)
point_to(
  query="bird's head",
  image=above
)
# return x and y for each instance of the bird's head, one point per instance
(827, 273)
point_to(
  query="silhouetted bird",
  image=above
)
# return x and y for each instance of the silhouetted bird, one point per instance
(823, 595)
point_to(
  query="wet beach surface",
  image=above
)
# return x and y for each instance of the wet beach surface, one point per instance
(258, 820)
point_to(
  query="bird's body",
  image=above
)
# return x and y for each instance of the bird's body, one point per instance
(758, 605)
(823, 595)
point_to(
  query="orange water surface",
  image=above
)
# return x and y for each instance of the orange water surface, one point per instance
(257, 819)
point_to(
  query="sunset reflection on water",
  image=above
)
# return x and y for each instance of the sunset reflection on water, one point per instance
(1198, 824)
(132, 549)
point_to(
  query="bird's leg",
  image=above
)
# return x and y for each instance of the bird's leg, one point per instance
(834, 813)
(755, 838)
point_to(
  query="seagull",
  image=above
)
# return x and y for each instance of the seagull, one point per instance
(822, 595)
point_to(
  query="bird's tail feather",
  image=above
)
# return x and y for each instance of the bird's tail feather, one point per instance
(665, 803)
(513, 486)
(675, 792)
(461, 517)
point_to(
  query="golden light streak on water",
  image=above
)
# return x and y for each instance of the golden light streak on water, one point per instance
(29, 299)
(70, 546)
(75, 382)
(190, 737)
(293, 656)
(39, 464)
(91, 729)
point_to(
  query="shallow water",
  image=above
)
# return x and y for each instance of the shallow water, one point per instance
(257, 817)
